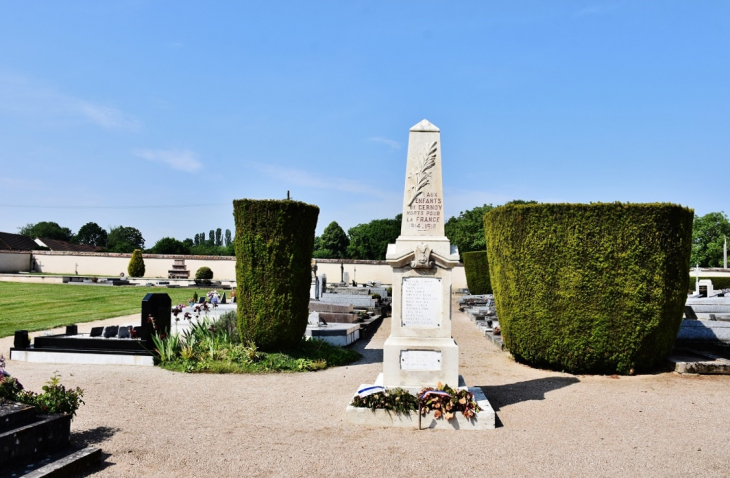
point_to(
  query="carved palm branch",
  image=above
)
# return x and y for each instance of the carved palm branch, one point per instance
(423, 175)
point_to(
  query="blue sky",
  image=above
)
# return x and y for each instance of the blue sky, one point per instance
(110, 108)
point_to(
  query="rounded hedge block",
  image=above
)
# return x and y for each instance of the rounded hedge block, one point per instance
(274, 244)
(596, 288)
(476, 268)
(204, 273)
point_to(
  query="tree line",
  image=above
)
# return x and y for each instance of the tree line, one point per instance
(127, 239)
(367, 241)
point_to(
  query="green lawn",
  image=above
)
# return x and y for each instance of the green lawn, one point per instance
(44, 306)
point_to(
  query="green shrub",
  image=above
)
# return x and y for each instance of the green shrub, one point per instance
(54, 399)
(274, 243)
(476, 268)
(136, 264)
(589, 287)
(717, 282)
(204, 273)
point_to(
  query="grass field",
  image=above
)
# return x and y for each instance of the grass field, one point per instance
(44, 306)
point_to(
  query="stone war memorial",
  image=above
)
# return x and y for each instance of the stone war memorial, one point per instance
(420, 351)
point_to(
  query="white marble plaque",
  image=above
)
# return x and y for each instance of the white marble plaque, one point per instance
(420, 360)
(421, 302)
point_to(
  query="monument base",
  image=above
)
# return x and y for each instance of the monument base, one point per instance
(484, 420)
(417, 362)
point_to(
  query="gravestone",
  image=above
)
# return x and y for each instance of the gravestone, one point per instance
(158, 306)
(420, 351)
(111, 331)
(124, 332)
(346, 279)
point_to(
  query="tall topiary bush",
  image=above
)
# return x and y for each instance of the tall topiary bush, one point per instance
(274, 244)
(476, 268)
(136, 264)
(589, 287)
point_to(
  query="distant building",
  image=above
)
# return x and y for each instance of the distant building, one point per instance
(56, 245)
(16, 242)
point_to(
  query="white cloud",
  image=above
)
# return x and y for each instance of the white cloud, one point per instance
(183, 160)
(388, 142)
(23, 96)
(107, 117)
(307, 179)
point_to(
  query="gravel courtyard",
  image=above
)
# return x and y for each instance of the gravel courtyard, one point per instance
(150, 422)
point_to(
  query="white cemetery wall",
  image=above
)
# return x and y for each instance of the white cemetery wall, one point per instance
(112, 264)
(11, 261)
(157, 266)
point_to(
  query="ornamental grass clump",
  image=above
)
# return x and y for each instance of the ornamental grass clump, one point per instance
(589, 288)
(216, 347)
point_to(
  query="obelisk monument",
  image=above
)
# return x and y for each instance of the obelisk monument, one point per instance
(420, 351)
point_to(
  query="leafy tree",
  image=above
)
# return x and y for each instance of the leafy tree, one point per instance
(211, 237)
(218, 239)
(370, 241)
(708, 238)
(92, 234)
(333, 242)
(136, 264)
(49, 230)
(196, 240)
(170, 245)
(124, 239)
(206, 249)
(188, 243)
(467, 229)
(229, 240)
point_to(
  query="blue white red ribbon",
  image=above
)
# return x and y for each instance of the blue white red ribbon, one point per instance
(369, 390)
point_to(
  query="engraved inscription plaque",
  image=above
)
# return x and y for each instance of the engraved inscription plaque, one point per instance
(421, 302)
(420, 360)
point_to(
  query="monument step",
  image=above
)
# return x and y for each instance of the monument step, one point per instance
(68, 462)
(50, 433)
(15, 415)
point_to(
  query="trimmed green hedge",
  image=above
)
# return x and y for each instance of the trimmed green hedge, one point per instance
(717, 282)
(476, 268)
(274, 244)
(596, 288)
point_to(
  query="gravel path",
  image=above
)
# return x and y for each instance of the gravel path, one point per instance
(150, 422)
